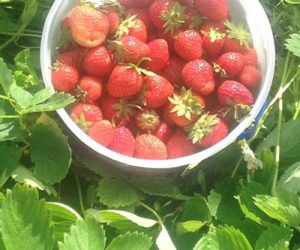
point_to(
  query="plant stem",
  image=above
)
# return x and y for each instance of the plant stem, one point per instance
(23, 34)
(79, 193)
(9, 116)
(237, 165)
(159, 220)
(6, 98)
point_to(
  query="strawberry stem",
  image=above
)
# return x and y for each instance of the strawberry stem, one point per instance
(174, 18)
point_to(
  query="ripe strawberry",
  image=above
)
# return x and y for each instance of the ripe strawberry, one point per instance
(124, 81)
(215, 10)
(126, 3)
(231, 64)
(147, 120)
(250, 77)
(114, 21)
(185, 107)
(166, 114)
(173, 70)
(64, 77)
(130, 49)
(192, 19)
(97, 61)
(89, 26)
(122, 141)
(117, 110)
(238, 38)
(179, 145)
(132, 26)
(216, 25)
(142, 3)
(102, 132)
(232, 93)
(72, 57)
(91, 87)
(156, 10)
(140, 14)
(250, 57)
(149, 147)
(157, 91)
(163, 132)
(160, 34)
(213, 42)
(86, 114)
(188, 45)
(207, 131)
(198, 75)
(159, 55)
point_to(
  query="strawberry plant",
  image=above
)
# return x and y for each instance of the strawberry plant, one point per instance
(56, 195)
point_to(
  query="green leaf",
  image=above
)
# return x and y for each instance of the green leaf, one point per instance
(278, 209)
(274, 238)
(9, 159)
(120, 219)
(62, 217)
(130, 241)
(24, 64)
(291, 178)
(29, 11)
(116, 192)
(247, 205)
(24, 220)
(51, 154)
(86, 234)
(55, 102)
(290, 142)
(224, 238)
(293, 1)
(196, 208)
(25, 176)
(10, 129)
(22, 97)
(41, 96)
(190, 226)
(6, 78)
(293, 43)
(164, 240)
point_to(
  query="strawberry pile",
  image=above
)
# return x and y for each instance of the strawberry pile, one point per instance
(156, 79)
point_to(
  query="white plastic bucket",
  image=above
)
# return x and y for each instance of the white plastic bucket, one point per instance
(249, 12)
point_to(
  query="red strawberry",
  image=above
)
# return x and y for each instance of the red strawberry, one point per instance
(142, 3)
(238, 38)
(140, 14)
(250, 77)
(122, 141)
(130, 49)
(64, 77)
(166, 114)
(114, 21)
(124, 81)
(91, 88)
(97, 61)
(173, 70)
(149, 147)
(169, 39)
(102, 132)
(157, 91)
(198, 75)
(192, 19)
(132, 26)
(163, 131)
(185, 107)
(72, 57)
(216, 25)
(117, 110)
(231, 63)
(215, 10)
(188, 45)
(207, 131)
(179, 145)
(156, 10)
(232, 93)
(147, 120)
(126, 3)
(86, 114)
(213, 42)
(159, 55)
(250, 57)
(89, 26)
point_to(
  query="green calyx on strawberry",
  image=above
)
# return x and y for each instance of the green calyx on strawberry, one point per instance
(140, 70)
(214, 35)
(174, 18)
(238, 32)
(202, 127)
(126, 108)
(147, 120)
(219, 70)
(82, 122)
(185, 104)
(119, 52)
(108, 5)
(196, 22)
(125, 26)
